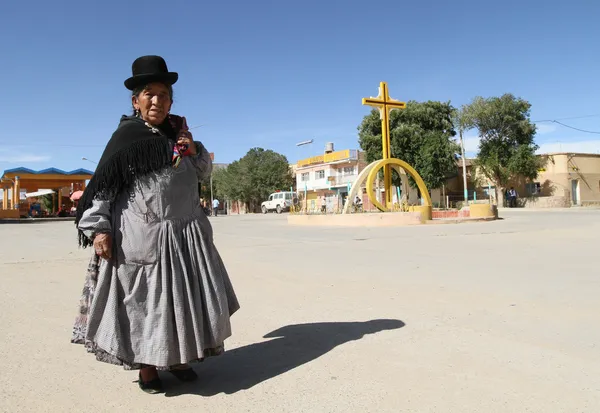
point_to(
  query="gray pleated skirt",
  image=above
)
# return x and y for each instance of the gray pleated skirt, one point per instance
(173, 311)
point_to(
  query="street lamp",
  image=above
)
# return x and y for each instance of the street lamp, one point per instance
(89, 160)
(464, 168)
(305, 142)
(305, 186)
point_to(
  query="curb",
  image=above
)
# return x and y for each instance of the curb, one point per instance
(34, 220)
(445, 221)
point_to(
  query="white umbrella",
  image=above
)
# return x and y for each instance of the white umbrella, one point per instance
(39, 193)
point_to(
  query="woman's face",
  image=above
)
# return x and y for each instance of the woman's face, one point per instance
(153, 103)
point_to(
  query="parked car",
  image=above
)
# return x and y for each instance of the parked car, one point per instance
(279, 202)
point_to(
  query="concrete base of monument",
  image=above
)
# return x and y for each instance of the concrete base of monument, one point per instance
(483, 211)
(426, 211)
(417, 215)
(387, 219)
(465, 220)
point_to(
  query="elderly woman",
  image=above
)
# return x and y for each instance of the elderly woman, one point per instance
(157, 295)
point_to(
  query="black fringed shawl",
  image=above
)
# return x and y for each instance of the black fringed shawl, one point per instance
(135, 149)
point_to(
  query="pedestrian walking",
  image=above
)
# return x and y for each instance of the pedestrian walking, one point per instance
(215, 205)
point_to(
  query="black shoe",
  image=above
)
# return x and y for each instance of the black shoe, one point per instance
(151, 387)
(184, 374)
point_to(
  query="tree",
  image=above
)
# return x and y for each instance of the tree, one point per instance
(421, 135)
(226, 181)
(254, 177)
(204, 186)
(506, 146)
(46, 202)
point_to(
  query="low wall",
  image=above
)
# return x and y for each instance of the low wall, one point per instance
(545, 202)
(388, 219)
(9, 213)
(453, 213)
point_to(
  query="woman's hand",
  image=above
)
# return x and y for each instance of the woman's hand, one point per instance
(185, 138)
(103, 245)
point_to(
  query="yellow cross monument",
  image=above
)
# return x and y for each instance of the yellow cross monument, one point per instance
(385, 104)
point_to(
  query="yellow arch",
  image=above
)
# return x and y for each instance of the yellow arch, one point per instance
(395, 163)
(356, 187)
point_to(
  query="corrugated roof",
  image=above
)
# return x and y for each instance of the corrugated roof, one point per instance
(9, 174)
(48, 171)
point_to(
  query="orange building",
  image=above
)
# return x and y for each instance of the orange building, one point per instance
(15, 182)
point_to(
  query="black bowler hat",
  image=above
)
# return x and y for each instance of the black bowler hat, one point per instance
(148, 69)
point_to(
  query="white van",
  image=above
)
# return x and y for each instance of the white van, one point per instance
(279, 201)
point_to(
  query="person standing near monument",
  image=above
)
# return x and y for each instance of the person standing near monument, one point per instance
(358, 204)
(157, 295)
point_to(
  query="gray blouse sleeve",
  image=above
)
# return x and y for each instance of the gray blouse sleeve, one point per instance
(201, 162)
(96, 219)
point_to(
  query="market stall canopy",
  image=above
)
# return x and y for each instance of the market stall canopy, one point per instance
(31, 180)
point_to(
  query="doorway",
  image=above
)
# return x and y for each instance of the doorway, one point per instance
(342, 195)
(575, 191)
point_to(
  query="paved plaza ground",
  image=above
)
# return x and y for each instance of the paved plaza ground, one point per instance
(478, 317)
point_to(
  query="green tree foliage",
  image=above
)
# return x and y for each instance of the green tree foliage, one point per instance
(204, 186)
(254, 177)
(421, 135)
(506, 147)
(46, 202)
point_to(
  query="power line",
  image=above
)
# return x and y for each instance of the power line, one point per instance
(569, 118)
(194, 127)
(557, 121)
(577, 129)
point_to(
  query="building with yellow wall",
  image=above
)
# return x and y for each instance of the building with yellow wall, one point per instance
(331, 175)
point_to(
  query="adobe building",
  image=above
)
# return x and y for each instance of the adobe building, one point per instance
(15, 182)
(567, 179)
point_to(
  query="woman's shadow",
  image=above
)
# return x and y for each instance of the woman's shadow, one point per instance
(291, 347)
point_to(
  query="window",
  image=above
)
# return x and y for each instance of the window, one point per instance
(270, 197)
(279, 196)
(304, 177)
(320, 174)
(348, 170)
(533, 188)
(288, 195)
(489, 191)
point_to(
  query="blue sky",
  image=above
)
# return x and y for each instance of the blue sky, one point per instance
(273, 73)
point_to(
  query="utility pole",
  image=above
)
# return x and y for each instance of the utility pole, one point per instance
(211, 192)
(464, 166)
